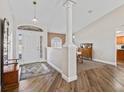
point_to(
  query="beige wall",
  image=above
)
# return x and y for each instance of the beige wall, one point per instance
(102, 34)
(52, 35)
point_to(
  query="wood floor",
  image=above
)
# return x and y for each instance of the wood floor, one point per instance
(105, 78)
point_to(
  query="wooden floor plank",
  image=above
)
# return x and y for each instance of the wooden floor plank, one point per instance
(103, 78)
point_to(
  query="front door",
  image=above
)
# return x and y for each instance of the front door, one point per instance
(31, 47)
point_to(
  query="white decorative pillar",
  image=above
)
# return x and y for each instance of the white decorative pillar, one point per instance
(71, 48)
(68, 4)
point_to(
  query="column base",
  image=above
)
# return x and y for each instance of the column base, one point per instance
(69, 79)
(72, 63)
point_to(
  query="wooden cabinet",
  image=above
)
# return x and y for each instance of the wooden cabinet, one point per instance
(10, 77)
(120, 40)
(86, 50)
(120, 55)
(87, 53)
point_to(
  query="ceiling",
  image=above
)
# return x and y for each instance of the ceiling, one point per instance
(52, 14)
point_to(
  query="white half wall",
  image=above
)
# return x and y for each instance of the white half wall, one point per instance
(58, 58)
(102, 34)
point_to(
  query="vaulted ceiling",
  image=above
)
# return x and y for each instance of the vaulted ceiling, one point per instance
(51, 13)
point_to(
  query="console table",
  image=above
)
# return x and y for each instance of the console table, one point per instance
(10, 76)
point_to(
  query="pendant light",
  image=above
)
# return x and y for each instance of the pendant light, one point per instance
(34, 20)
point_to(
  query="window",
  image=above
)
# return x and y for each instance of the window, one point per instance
(56, 42)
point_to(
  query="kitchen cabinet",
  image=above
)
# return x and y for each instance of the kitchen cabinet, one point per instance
(120, 40)
(120, 55)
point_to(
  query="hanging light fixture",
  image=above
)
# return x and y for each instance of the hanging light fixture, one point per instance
(34, 20)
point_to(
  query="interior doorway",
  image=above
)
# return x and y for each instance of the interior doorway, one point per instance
(120, 47)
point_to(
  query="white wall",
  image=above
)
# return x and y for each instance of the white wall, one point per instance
(102, 34)
(57, 57)
(6, 12)
(5, 9)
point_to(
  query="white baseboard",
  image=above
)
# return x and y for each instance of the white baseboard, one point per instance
(27, 62)
(66, 78)
(106, 62)
(55, 67)
(43, 60)
(69, 79)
